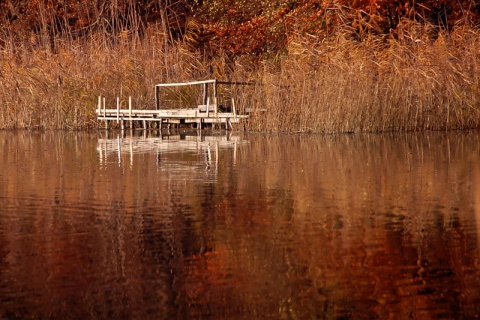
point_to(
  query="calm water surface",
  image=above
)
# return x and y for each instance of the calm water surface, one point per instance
(228, 226)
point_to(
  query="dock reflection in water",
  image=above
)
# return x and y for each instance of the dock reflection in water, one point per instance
(233, 226)
(194, 142)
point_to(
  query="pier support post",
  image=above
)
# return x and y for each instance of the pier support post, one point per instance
(118, 109)
(215, 97)
(208, 107)
(130, 111)
(234, 109)
(157, 97)
(105, 114)
(205, 93)
(99, 106)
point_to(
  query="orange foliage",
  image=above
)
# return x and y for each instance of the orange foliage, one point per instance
(237, 26)
(268, 27)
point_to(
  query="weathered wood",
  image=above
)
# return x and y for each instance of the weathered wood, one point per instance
(215, 97)
(104, 107)
(118, 109)
(207, 113)
(189, 115)
(99, 107)
(205, 93)
(157, 98)
(105, 114)
(203, 108)
(208, 106)
(177, 84)
(130, 111)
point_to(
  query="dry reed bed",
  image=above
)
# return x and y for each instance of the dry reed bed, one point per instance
(411, 82)
(42, 89)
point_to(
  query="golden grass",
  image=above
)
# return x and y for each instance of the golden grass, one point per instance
(414, 81)
(410, 83)
(46, 90)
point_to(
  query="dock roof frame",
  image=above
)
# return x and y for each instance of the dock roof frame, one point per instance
(205, 83)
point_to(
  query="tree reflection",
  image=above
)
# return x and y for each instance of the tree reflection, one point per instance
(353, 226)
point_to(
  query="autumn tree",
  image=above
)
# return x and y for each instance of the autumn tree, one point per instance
(235, 26)
(242, 26)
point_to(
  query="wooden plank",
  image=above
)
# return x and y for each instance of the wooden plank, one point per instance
(203, 108)
(164, 116)
(170, 120)
(156, 116)
(185, 83)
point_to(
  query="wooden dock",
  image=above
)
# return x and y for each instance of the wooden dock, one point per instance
(206, 112)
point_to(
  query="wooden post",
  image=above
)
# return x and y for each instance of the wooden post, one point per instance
(208, 106)
(118, 109)
(157, 97)
(99, 107)
(145, 124)
(105, 114)
(215, 96)
(130, 111)
(234, 109)
(205, 93)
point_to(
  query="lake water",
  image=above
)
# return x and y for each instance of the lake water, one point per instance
(232, 226)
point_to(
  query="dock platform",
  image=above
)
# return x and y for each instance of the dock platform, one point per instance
(209, 109)
(172, 116)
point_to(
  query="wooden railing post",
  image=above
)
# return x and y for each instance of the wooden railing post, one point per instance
(205, 93)
(215, 97)
(118, 109)
(208, 106)
(157, 97)
(130, 111)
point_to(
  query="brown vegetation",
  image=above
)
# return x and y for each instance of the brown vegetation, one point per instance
(323, 66)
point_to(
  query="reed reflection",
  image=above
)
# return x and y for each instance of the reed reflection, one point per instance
(352, 226)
